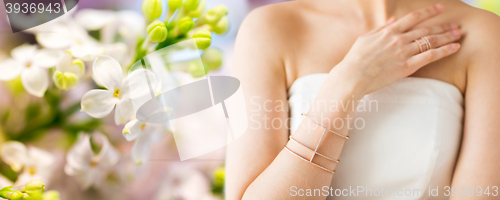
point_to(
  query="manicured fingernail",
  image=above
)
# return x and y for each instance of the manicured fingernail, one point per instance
(455, 46)
(456, 32)
(453, 26)
(439, 7)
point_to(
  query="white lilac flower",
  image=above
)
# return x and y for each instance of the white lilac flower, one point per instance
(87, 167)
(72, 34)
(69, 35)
(34, 163)
(127, 25)
(144, 135)
(31, 63)
(119, 51)
(53, 35)
(99, 103)
(68, 71)
(181, 181)
(167, 79)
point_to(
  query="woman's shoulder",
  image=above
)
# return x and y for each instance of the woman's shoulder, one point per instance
(481, 29)
(275, 22)
(472, 19)
(480, 42)
(273, 13)
(268, 30)
(476, 18)
(262, 38)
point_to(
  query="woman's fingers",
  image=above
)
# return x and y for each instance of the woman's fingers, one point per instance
(389, 22)
(425, 31)
(418, 61)
(444, 38)
(437, 40)
(414, 18)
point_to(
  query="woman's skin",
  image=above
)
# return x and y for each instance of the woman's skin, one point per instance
(279, 43)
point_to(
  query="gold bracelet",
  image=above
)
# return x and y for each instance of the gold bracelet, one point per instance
(304, 159)
(315, 152)
(338, 134)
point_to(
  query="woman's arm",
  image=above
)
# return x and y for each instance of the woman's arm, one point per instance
(478, 165)
(257, 166)
(261, 72)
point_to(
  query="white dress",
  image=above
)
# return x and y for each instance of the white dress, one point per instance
(405, 143)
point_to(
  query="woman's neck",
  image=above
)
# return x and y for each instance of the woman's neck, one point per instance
(370, 12)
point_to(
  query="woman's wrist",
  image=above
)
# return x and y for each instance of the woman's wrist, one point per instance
(348, 80)
(338, 99)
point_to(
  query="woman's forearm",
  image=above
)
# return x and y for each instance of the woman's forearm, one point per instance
(288, 173)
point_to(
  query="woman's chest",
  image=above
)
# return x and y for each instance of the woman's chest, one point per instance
(320, 48)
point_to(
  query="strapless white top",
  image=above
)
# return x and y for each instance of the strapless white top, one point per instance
(403, 147)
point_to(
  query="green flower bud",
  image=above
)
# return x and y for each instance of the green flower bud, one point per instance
(185, 24)
(219, 176)
(196, 69)
(174, 4)
(199, 10)
(170, 25)
(65, 81)
(191, 4)
(152, 9)
(222, 26)
(80, 64)
(153, 25)
(34, 187)
(215, 14)
(16, 195)
(157, 32)
(212, 58)
(51, 195)
(203, 38)
(171, 34)
(5, 191)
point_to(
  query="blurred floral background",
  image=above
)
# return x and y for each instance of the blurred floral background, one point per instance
(66, 129)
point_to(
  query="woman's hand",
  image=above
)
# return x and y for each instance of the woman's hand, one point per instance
(390, 53)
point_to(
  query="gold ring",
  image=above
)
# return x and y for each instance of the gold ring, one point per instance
(428, 43)
(424, 44)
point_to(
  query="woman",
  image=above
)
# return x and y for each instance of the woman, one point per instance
(431, 72)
